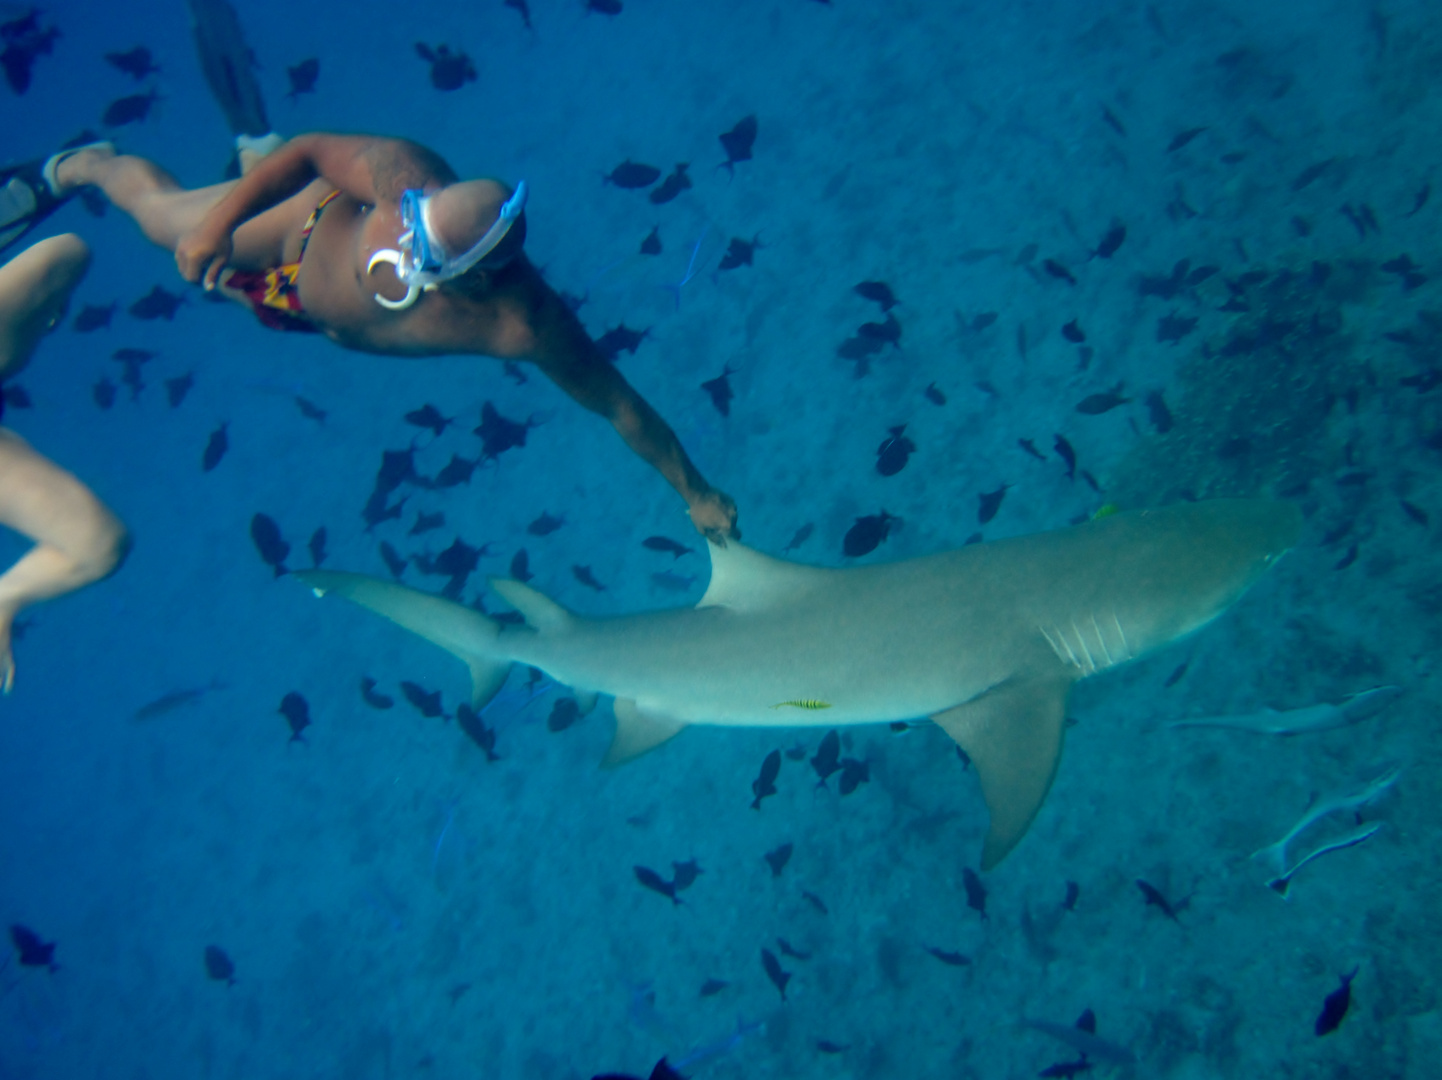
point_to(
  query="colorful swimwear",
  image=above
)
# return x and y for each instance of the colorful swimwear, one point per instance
(272, 293)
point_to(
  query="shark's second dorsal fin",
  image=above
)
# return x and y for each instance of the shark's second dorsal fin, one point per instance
(1013, 735)
(541, 612)
(746, 580)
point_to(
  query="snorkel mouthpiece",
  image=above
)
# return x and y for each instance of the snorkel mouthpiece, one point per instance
(421, 263)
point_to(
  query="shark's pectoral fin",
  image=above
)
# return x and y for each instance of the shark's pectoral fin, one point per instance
(636, 732)
(1013, 735)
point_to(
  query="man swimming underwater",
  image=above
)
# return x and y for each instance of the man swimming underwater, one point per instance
(376, 243)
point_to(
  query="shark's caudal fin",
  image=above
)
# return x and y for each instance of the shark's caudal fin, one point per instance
(460, 631)
(1013, 735)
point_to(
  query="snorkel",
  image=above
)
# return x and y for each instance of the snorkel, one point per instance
(422, 263)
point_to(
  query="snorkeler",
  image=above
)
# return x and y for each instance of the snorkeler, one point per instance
(376, 243)
(77, 539)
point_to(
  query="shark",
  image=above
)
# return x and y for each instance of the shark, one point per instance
(986, 640)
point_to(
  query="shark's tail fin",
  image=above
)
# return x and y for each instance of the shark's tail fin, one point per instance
(459, 630)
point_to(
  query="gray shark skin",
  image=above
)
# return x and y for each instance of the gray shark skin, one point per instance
(986, 640)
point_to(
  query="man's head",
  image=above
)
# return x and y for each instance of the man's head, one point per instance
(460, 215)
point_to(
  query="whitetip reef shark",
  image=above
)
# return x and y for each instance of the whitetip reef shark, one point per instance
(986, 640)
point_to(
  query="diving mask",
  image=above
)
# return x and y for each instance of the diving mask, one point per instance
(422, 262)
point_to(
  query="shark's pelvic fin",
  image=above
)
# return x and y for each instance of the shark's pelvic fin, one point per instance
(1013, 734)
(636, 732)
(745, 580)
(541, 612)
(457, 629)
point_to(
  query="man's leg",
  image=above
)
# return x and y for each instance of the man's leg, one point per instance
(35, 287)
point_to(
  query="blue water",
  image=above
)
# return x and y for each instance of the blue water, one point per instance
(396, 906)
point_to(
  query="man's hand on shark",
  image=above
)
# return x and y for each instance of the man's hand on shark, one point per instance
(714, 515)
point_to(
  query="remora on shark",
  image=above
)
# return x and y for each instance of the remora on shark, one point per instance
(986, 640)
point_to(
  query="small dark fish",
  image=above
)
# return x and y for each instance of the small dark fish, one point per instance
(827, 759)
(310, 410)
(1336, 1005)
(393, 560)
(1182, 138)
(157, 304)
(1113, 122)
(397, 468)
(173, 701)
(667, 545)
(1201, 274)
(719, 390)
(215, 446)
(1096, 404)
(14, 396)
(427, 703)
(652, 244)
(778, 978)
(303, 77)
(878, 292)
(1311, 174)
(374, 698)
(1416, 513)
(449, 71)
(1177, 675)
(934, 395)
(1030, 448)
(826, 1046)
(523, 8)
(545, 524)
(265, 533)
(1067, 454)
(428, 416)
(564, 712)
(31, 949)
(1073, 891)
(788, 949)
(1154, 898)
(1173, 327)
(296, 711)
(632, 174)
(988, 503)
(1058, 271)
(868, 532)
(129, 110)
(1420, 200)
(316, 546)
(1157, 409)
(672, 186)
(513, 372)
(475, 728)
(853, 774)
(136, 62)
(765, 783)
(712, 987)
(521, 566)
(218, 965)
(1072, 331)
(455, 472)
(427, 523)
(178, 387)
(585, 577)
(134, 356)
(621, 339)
(740, 252)
(673, 582)
(498, 433)
(946, 956)
(800, 537)
(656, 883)
(737, 143)
(895, 449)
(104, 392)
(684, 874)
(604, 7)
(815, 901)
(93, 317)
(1066, 1070)
(1347, 559)
(975, 891)
(887, 332)
(982, 321)
(1111, 241)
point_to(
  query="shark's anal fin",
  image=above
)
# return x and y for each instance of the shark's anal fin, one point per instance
(636, 732)
(1013, 734)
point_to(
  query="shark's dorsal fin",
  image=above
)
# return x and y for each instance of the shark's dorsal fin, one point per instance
(541, 612)
(636, 732)
(1013, 734)
(745, 580)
